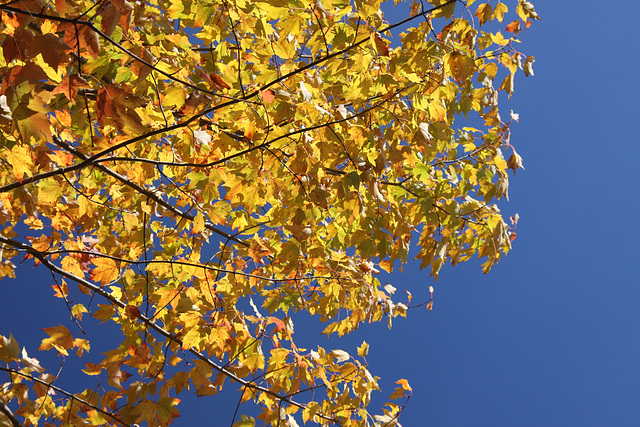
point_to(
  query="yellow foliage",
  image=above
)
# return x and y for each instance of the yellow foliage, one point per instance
(201, 172)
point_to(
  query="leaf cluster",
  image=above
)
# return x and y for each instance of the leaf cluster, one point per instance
(196, 173)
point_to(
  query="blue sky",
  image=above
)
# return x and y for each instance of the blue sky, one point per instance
(552, 335)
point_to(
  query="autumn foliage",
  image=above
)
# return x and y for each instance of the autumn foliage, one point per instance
(194, 174)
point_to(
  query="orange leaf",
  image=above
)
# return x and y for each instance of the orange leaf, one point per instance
(60, 291)
(404, 384)
(514, 27)
(267, 96)
(381, 46)
(69, 86)
(218, 83)
(92, 369)
(106, 270)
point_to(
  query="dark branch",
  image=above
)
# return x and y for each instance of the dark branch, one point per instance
(66, 393)
(42, 257)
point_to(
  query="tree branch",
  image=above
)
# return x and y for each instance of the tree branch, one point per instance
(42, 257)
(66, 393)
(149, 193)
(7, 412)
(97, 157)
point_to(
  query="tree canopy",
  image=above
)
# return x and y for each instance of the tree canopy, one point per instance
(194, 174)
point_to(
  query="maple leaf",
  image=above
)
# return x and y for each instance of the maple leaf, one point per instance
(380, 45)
(9, 349)
(483, 12)
(217, 82)
(513, 27)
(106, 270)
(70, 85)
(59, 338)
(267, 96)
(19, 158)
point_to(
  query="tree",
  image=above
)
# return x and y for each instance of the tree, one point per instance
(202, 171)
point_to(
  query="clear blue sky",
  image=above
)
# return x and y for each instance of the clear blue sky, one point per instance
(552, 335)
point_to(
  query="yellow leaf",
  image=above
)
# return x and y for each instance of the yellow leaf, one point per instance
(499, 11)
(500, 162)
(59, 338)
(245, 422)
(72, 265)
(52, 73)
(106, 270)
(437, 111)
(48, 27)
(19, 157)
(49, 192)
(499, 39)
(483, 12)
(526, 10)
(507, 85)
(198, 223)
(77, 310)
(386, 265)
(192, 339)
(363, 350)
(174, 97)
(9, 348)
(459, 66)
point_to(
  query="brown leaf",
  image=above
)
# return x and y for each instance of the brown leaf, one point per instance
(51, 47)
(65, 7)
(195, 103)
(117, 106)
(90, 41)
(140, 69)
(110, 18)
(126, 10)
(29, 71)
(24, 38)
(218, 82)
(10, 49)
(515, 162)
(33, 6)
(69, 86)
(381, 46)
(133, 312)
(69, 38)
(528, 66)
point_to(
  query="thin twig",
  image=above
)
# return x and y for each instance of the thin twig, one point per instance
(66, 393)
(42, 257)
